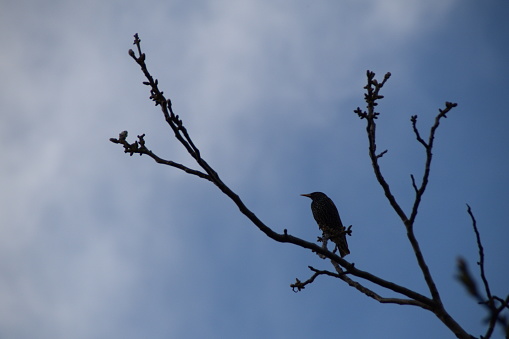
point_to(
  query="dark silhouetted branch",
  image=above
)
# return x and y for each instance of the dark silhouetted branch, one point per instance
(300, 285)
(139, 147)
(494, 305)
(371, 97)
(345, 270)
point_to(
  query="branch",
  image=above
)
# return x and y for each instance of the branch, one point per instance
(370, 293)
(171, 118)
(140, 148)
(371, 98)
(419, 193)
(495, 312)
(299, 286)
(373, 88)
(429, 155)
(481, 253)
(490, 301)
(349, 267)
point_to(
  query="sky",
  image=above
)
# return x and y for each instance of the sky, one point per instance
(97, 244)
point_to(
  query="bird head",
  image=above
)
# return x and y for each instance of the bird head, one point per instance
(315, 195)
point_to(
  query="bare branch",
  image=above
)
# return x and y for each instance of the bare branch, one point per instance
(370, 293)
(381, 154)
(490, 301)
(349, 267)
(372, 95)
(481, 253)
(413, 119)
(413, 183)
(371, 98)
(341, 274)
(140, 148)
(467, 280)
(419, 193)
(373, 88)
(429, 155)
(299, 286)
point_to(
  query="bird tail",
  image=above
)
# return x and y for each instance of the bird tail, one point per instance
(342, 246)
(341, 243)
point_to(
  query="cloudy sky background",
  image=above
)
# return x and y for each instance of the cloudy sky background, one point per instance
(97, 244)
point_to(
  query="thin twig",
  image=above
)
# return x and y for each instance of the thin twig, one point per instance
(138, 147)
(481, 253)
(299, 286)
(429, 155)
(490, 300)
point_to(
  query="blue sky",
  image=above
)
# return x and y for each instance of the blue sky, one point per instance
(97, 244)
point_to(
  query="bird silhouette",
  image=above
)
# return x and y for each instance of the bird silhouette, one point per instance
(327, 217)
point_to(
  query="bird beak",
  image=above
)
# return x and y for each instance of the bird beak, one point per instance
(306, 195)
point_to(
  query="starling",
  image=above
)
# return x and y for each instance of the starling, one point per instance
(327, 217)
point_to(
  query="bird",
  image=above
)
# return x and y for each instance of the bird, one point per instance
(327, 217)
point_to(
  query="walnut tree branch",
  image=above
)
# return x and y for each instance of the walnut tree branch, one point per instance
(371, 97)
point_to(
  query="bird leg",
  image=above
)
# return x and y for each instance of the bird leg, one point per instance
(324, 239)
